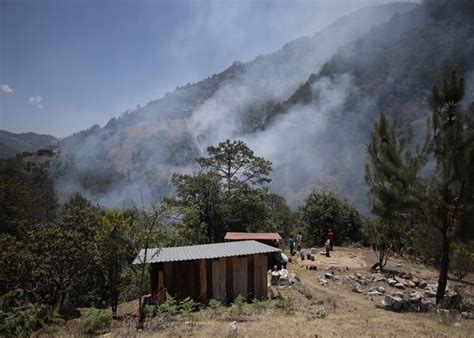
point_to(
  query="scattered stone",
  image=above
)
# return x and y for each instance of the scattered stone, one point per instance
(374, 293)
(394, 303)
(398, 294)
(429, 293)
(423, 284)
(467, 315)
(233, 327)
(329, 275)
(356, 287)
(381, 289)
(392, 282)
(452, 300)
(294, 278)
(400, 286)
(358, 275)
(320, 313)
(410, 284)
(322, 281)
(415, 281)
(399, 265)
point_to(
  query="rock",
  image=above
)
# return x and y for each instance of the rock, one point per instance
(314, 251)
(283, 272)
(394, 303)
(374, 293)
(410, 284)
(467, 315)
(398, 294)
(329, 275)
(233, 326)
(320, 313)
(452, 300)
(400, 286)
(356, 287)
(423, 284)
(457, 324)
(358, 275)
(399, 265)
(294, 278)
(322, 281)
(392, 282)
(381, 289)
(415, 281)
(429, 293)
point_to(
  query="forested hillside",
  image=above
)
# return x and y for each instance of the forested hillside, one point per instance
(137, 153)
(12, 144)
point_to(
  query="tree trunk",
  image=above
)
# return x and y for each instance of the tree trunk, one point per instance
(443, 273)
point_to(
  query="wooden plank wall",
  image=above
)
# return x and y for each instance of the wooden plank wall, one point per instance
(222, 279)
(219, 274)
(260, 277)
(239, 265)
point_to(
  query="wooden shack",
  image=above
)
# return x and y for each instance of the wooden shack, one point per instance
(218, 271)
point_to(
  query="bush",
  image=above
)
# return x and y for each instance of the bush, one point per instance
(93, 319)
(22, 321)
(187, 306)
(462, 260)
(285, 305)
(239, 303)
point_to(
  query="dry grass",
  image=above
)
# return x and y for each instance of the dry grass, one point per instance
(299, 312)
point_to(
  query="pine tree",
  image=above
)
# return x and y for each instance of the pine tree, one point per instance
(449, 190)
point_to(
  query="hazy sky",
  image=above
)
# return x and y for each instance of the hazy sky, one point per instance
(66, 65)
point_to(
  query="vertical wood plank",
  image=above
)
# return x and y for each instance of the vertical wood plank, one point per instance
(215, 280)
(222, 280)
(161, 286)
(202, 282)
(250, 277)
(235, 275)
(243, 276)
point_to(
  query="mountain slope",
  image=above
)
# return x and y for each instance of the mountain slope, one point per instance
(392, 69)
(12, 144)
(136, 154)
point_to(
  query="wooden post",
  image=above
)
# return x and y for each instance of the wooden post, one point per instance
(161, 287)
(202, 282)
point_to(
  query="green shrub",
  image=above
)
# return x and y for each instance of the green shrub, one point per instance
(187, 306)
(22, 321)
(169, 308)
(462, 260)
(239, 303)
(93, 319)
(214, 304)
(285, 305)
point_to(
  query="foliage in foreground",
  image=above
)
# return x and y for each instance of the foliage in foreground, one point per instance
(93, 319)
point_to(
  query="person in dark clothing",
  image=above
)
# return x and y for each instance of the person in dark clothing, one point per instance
(331, 239)
(292, 243)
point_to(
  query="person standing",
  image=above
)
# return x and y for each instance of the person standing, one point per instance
(291, 242)
(299, 240)
(328, 246)
(331, 239)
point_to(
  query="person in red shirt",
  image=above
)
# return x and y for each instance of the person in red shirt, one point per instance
(330, 238)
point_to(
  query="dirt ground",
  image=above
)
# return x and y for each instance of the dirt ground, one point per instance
(309, 309)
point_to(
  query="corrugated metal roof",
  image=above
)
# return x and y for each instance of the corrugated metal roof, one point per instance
(204, 251)
(263, 236)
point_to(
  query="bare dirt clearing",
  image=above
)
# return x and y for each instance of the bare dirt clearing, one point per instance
(312, 309)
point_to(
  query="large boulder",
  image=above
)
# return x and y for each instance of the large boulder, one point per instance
(394, 303)
(452, 300)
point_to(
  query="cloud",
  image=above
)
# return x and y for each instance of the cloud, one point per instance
(36, 101)
(6, 89)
